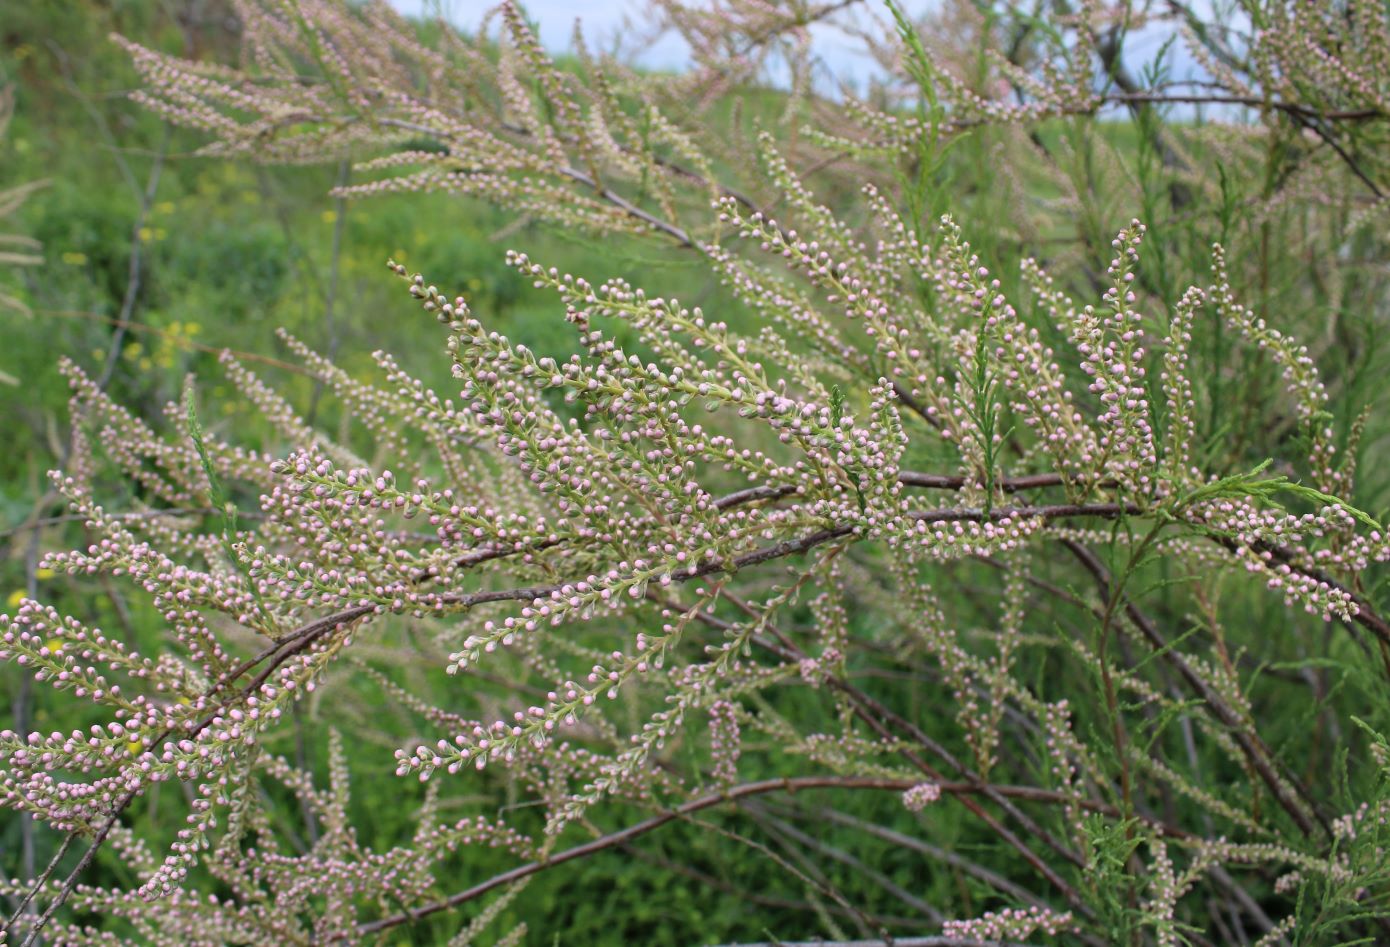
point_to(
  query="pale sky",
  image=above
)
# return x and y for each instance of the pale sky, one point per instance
(604, 20)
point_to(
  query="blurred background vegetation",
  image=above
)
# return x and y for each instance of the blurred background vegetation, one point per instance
(227, 253)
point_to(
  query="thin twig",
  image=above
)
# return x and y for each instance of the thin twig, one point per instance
(1249, 742)
(132, 286)
(42, 880)
(938, 940)
(623, 836)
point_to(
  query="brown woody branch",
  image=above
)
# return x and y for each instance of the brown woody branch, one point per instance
(623, 836)
(1250, 743)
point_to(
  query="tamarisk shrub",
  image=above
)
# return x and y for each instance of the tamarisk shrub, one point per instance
(979, 573)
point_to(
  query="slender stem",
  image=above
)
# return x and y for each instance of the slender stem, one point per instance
(936, 940)
(623, 836)
(1249, 742)
(39, 882)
